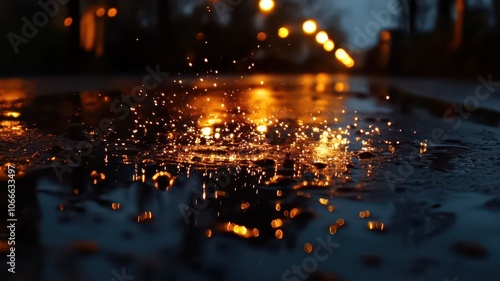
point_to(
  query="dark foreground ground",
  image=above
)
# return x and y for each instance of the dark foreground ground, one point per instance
(254, 178)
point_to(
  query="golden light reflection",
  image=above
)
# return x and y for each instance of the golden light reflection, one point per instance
(332, 229)
(344, 58)
(278, 234)
(97, 177)
(12, 114)
(208, 233)
(322, 37)
(294, 212)
(163, 180)
(276, 223)
(340, 222)
(341, 87)
(240, 230)
(364, 214)
(374, 225)
(116, 206)
(323, 201)
(266, 5)
(309, 26)
(145, 217)
(283, 32)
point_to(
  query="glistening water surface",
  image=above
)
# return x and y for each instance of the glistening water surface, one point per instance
(310, 177)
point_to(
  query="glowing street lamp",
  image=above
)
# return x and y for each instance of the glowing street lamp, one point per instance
(321, 37)
(329, 45)
(266, 5)
(283, 32)
(309, 26)
(344, 58)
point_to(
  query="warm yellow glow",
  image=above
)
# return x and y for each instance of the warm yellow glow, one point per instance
(68, 21)
(373, 225)
(100, 12)
(262, 128)
(12, 114)
(340, 87)
(323, 201)
(206, 131)
(329, 45)
(276, 223)
(261, 36)
(112, 12)
(321, 37)
(344, 58)
(364, 214)
(283, 32)
(309, 26)
(266, 5)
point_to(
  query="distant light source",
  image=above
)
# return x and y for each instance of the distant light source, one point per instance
(309, 26)
(329, 45)
(321, 37)
(100, 12)
(68, 21)
(112, 12)
(385, 35)
(344, 58)
(266, 5)
(200, 36)
(283, 32)
(261, 36)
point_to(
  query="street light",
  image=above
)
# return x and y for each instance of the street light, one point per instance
(321, 37)
(309, 26)
(344, 57)
(283, 32)
(266, 5)
(329, 45)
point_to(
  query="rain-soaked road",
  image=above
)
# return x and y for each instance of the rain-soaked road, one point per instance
(253, 178)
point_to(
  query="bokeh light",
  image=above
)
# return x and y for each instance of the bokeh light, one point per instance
(68, 21)
(112, 12)
(344, 57)
(261, 36)
(321, 37)
(283, 32)
(266, 5)
(309, 26)
(100, 12)
(329, 45)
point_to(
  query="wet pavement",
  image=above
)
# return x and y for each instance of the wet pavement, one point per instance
(310, 177)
